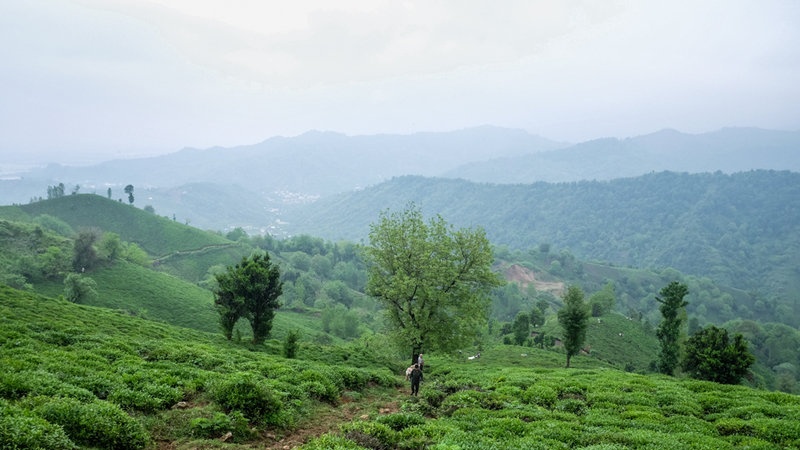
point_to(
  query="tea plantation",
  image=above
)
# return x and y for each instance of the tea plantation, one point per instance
(76, 376)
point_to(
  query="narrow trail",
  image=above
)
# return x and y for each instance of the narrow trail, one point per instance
(195, 251)
(329, 419)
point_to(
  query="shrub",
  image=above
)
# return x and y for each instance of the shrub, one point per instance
(543, 396)
(247, 393)
(731, 426)
(370, 434)
(20, 429)
(221, 423)
(323, 387)
(780, 432)
(400, 421)
(98, 424)
(571, 405)
(433, 397)
(331, 442)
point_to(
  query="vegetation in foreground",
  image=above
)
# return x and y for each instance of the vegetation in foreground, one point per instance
(77, 376)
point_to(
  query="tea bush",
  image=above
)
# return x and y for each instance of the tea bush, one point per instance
(221, 423)
(400, 421)
(370, 434)
(99, 423)
(331, 442)
(247, 393)
(21, 429)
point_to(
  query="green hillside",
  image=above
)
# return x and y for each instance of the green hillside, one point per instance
(740, 230)
(323, 288)
(77, 376)
(157, 235)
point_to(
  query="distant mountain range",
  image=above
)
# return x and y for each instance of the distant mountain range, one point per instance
(728, 150)
(248, 186)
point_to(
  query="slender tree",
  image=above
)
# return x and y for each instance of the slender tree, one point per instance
(250, 290)
(129, 191)
(521, 328)
(574, 319)
(669, 330)
(432, 280)
(713, 356)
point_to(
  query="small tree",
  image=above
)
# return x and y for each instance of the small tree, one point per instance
(84, 255)
(602, 302)
(129, 191)
(711, 355)
(574, 319)
(521, 328)
(78, 288)
(250, 290)
(669, 330)
(290, 344)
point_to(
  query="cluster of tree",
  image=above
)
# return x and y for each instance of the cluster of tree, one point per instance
(249, 290)
(709, 354)
(739, 230)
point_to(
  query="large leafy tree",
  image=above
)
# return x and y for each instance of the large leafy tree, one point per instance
(713, 356)
(249, 290)
(574, 319)
(432, 279)
(669, 330)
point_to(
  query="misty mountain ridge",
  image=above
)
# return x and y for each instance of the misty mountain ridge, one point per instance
(728, 150)
(221, 188)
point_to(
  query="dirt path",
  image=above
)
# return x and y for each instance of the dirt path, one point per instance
(331, 417)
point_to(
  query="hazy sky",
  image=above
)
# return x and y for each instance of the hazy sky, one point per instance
(90, 80)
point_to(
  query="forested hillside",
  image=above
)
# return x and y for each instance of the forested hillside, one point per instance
(740, 230)
(323, 293)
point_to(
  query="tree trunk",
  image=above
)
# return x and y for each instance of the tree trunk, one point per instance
(415, 354)
(568, 357)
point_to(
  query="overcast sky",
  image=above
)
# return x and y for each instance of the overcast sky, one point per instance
(89, 80)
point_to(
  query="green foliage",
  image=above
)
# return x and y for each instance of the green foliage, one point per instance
(433, 280)
(602, 302)
(670, 328)
(21, 429)
(250, 290)
(221, 423)
(100, 424)
(79, 288)
(248, 394)
(521, 328)
(290, 344)
(711, 355)
(84, 255)
(573, 318)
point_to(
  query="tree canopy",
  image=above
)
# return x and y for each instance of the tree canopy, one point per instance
(713, 356)
(249, 289)
(433, 280)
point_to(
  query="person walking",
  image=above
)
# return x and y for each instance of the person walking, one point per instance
(415, 377)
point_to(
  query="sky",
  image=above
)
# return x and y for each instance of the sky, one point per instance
(83, 81)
